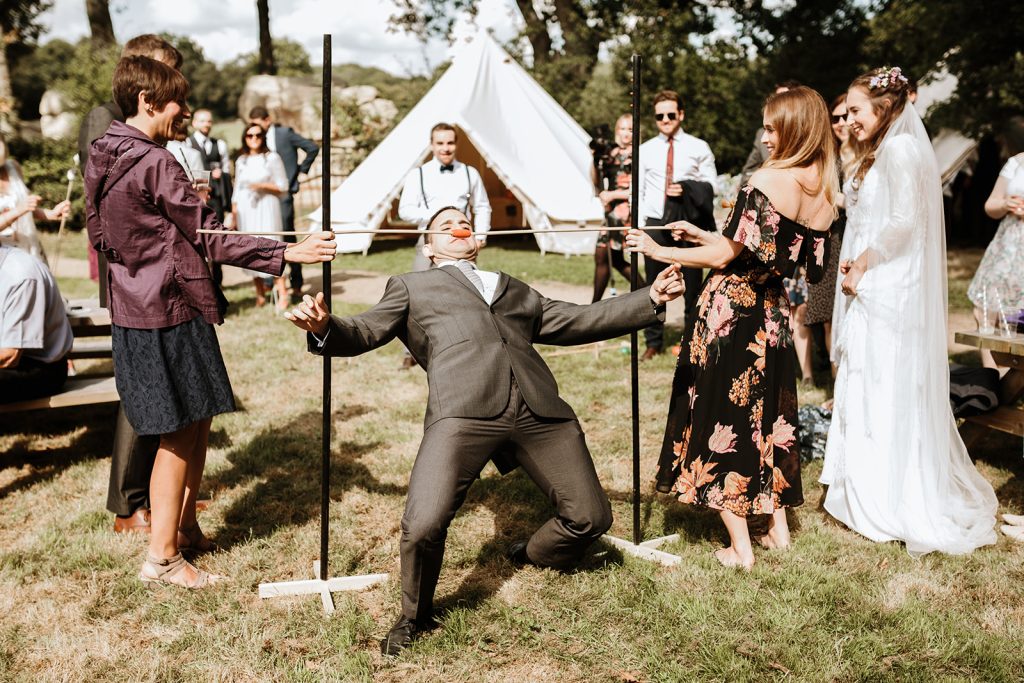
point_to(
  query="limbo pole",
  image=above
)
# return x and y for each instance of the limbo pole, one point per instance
(322, 584)
(647, 550)
(415, 233)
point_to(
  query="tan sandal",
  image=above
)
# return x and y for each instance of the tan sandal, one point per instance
(192, 539)
(164, 572)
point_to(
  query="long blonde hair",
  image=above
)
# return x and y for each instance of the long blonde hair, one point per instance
(804, 125)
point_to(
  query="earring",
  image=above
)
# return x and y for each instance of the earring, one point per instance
(149, 110)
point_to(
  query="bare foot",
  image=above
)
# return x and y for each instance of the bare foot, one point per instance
(261, 301)
(774, 540)
(728, 557)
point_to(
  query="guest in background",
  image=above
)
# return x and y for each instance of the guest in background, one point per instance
(132, 456)
(444, 181)
(35, 336)
(286, 143)
(260, 183)
(143, 214)
(758, 152)
(674, 167)
(1000, 276)
(821, 296)
(215, 159)
(20, 209)
(614, 173)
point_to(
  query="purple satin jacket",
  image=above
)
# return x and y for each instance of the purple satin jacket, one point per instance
(143, 214)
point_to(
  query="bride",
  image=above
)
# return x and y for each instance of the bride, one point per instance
(895, 465)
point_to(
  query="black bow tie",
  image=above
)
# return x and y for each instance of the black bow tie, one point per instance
(447, 168)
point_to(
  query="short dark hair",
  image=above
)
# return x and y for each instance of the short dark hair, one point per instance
(263, 140)
(258, 112)
(669, 96)
(161, 83)
(787, 84)
(151, 45)
(443, 126)
(437, 213)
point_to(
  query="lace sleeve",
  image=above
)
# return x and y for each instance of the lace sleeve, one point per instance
(902, 171)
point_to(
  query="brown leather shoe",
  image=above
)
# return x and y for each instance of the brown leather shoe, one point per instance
(650, 353)
(138, 522)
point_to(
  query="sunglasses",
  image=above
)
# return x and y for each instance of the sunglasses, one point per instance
(836, 118)
(671, 116)
(253, 136)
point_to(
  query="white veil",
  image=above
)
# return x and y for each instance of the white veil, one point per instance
(899, 318)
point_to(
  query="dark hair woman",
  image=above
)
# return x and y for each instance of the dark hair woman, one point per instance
(260, 181)
(144, 214)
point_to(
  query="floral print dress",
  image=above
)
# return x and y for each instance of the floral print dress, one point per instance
(731, 441)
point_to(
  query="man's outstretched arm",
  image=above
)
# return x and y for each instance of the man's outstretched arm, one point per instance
(352, 335)
(565, 324)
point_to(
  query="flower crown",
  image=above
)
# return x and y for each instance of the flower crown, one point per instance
(888, 78)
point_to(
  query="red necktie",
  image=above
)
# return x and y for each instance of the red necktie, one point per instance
(669, 164)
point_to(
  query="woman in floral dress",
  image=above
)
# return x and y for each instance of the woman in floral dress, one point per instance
(730, 440)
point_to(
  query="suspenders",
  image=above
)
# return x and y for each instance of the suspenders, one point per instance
(468, 195)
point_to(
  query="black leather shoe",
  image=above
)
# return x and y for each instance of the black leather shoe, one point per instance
(663, 481)
(517, 554)
(403, 633)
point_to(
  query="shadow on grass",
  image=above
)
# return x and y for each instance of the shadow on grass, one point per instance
(285, 461)
(46, 463)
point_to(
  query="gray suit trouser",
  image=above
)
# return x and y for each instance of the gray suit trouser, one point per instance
(553, 453)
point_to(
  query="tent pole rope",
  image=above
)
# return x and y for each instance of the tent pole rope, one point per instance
(325, 174)
(634, 262)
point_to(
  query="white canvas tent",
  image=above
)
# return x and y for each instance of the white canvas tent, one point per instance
(952, 148)
(534, 155)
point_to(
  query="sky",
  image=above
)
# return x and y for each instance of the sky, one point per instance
(227, 28)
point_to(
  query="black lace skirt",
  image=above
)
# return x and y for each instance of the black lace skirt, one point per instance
(171, 377)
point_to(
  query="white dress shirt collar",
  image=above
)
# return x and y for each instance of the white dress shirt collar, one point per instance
(488, 277)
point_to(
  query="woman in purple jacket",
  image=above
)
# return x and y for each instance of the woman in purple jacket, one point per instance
(144, 214)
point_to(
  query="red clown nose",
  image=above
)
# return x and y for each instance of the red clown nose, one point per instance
(461, 232)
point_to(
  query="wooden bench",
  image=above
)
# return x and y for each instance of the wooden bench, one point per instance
(76, 392)
(1008, 416)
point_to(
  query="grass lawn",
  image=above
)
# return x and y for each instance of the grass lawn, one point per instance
(834, 608)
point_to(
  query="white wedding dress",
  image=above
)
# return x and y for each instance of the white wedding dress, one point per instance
(894, 462)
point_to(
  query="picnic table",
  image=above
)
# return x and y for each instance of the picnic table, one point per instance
(1008, 416)
(90, 325)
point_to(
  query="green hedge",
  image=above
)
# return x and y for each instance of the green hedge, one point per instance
(45, 164)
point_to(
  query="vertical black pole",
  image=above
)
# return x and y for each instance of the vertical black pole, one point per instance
(634, 264)
(325, 190)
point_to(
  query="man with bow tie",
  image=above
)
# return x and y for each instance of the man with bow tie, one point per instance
(443, 181)
(491, 397)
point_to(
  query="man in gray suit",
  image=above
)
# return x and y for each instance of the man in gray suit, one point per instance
(491, 396)
(286, 143)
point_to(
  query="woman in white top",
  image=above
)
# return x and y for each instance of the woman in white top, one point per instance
(894, 463)
(19, 209)
(1000, 277)
(260, 181)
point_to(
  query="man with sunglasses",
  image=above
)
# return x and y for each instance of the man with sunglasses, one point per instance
(668, 164)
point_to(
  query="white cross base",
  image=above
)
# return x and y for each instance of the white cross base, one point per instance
(647, 550)
(321, 586)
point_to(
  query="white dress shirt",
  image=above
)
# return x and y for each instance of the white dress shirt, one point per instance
(32, 315)
(692, 160)
(222, 148)
(272, 138)
(488, 277)
(189, 158)
(450, 188)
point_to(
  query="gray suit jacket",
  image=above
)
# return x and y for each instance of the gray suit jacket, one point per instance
(471, 350)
